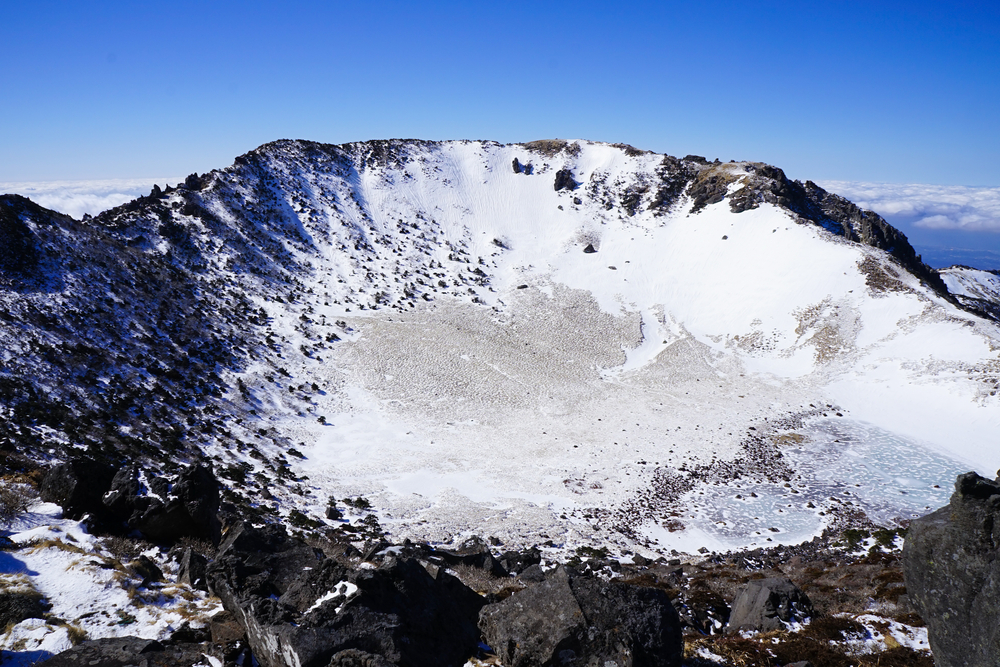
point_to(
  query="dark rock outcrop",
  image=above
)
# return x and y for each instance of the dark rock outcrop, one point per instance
(297, 606)
(192, 570)
(565, 180)
(951, 565)
(473, 552)
(166, 512)
(768, 604)
(519, 561)
(77, 486)
(130, 652)
(18, 246)
(572, 619)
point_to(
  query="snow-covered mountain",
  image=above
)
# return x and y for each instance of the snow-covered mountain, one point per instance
(555, 341)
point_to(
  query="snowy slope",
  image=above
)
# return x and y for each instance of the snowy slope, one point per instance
(738, 359)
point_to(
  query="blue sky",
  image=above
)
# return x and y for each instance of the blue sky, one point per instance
(862, 91)
(847, 91)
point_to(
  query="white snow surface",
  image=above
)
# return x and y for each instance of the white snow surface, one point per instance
(90, 591)
(546, 403)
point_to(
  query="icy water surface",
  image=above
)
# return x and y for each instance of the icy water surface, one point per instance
(842, 464)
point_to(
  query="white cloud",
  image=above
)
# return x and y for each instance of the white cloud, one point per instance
(953, 207)
(78, 197)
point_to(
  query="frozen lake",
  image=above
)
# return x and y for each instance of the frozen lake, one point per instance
(842, 464)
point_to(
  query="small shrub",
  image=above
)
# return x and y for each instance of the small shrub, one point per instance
(15, 499)
(358, 503)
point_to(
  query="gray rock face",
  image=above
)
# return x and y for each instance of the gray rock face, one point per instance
(951, 564)
(576, 620)
(767, 604)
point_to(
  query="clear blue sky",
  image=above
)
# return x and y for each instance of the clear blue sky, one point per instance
(891, 92)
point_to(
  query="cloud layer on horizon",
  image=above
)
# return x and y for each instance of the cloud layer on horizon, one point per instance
(75, 198)
(937, 207)
(952, 207)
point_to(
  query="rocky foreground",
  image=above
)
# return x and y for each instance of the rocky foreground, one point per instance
(293, 596)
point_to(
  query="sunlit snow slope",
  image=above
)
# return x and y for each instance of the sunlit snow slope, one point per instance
(581, 342)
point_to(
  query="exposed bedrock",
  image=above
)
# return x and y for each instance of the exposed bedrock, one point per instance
(769, 604)
(951, 563)
(301, 608)
(577, 620)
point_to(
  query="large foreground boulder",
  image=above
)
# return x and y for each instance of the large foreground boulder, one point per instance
(77, 486)
(768, 604)
(570, 619)
(300, 607)
(951, 564)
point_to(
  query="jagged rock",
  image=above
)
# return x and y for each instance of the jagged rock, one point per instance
(768, 604)
(130, 652)
(564, 180)
(18, 606)
(298, 606)
(77, 486)
(590, 249)
(516, 164)
(166, 512)
(192, 569)
(571, 619)
(951, 565)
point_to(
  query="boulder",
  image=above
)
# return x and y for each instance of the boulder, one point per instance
(564, 180)
(299, 607)
(768, 604)
(130, 652)
(519, 561)
(571, 619)
(474, 552)
(516, 164)
(191, 570)
(147, 569)
(77, 486)
(951, 566)
(163, 511)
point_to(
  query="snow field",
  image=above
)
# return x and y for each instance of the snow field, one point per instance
(536, 405)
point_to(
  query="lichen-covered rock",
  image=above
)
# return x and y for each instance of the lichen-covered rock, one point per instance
(768, 604)
(951, 564)
(576, 620)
